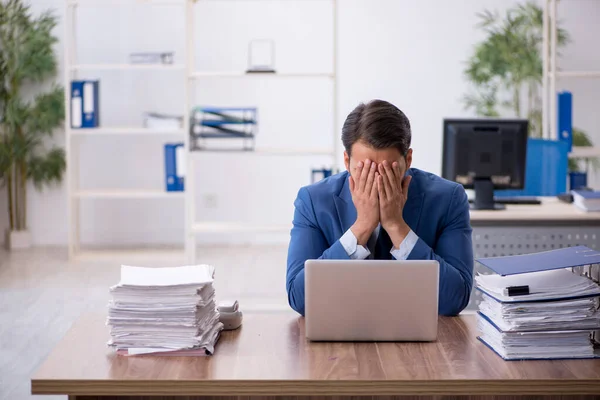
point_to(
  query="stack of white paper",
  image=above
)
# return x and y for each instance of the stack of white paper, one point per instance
(538, 316)
(164, 310)
(553, 321)
(537, 345)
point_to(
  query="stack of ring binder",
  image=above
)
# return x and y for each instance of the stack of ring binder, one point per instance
(535, 307)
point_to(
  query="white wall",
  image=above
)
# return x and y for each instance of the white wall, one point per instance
(410, 53)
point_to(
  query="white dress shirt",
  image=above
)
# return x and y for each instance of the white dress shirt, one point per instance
(359, 252)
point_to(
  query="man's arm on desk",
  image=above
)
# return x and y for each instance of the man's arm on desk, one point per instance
(454, 251)
(307, 242)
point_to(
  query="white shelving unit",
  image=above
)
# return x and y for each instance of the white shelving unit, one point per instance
(192, 78)
(551, 74)
(232, 227)
(126, 194)
(272, 152)
(127, 67)
(121, 2)
(125, 131)
(75, 194)
(236, 74)
(206, 227)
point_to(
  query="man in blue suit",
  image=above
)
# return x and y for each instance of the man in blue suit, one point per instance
(381, 208)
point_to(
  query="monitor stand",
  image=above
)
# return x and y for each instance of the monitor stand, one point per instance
(484, 196)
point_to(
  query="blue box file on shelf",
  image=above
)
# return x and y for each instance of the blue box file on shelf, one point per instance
(545, 171)
(85, 104)
(174, 176)
(565, 119)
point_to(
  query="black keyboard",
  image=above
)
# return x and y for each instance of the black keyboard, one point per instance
(516, 200)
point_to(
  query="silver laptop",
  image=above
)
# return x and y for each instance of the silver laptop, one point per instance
(371, 300)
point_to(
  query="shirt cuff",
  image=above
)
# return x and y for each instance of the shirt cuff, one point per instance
(406, 246)
(354, 250)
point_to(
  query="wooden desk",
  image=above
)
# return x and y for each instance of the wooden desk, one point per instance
(552, 212)
(269, 356)
(522, 229)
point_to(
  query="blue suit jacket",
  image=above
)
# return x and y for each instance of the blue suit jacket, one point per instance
(437, 210)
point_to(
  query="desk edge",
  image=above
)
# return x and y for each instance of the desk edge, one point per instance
(321, 387)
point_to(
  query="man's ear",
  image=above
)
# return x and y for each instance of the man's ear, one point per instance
(347, 161)
(408, 159)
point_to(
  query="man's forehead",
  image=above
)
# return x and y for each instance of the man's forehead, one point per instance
(362, 151)
(378, 157)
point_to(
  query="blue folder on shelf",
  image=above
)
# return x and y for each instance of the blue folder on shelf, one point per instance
(554, 259)
(85, 104)
(545, 170)
(174, 167)
(565, 118)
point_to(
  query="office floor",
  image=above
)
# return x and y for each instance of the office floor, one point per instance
(42, 294)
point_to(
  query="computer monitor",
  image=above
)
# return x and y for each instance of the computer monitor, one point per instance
(485, 154)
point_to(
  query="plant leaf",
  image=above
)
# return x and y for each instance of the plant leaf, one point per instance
(47, 112)
(47, 169)
(509, 58)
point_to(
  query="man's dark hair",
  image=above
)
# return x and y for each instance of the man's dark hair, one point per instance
(378, 124)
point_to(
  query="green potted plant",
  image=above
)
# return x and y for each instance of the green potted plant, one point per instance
(31, 108)
(506, 69)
